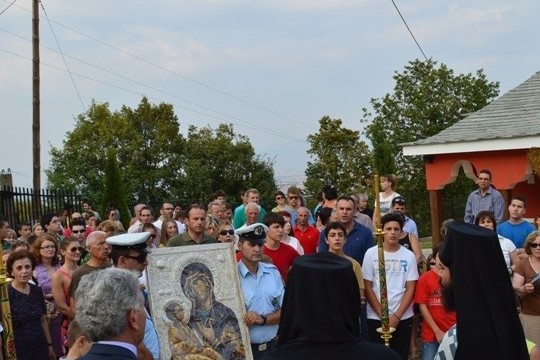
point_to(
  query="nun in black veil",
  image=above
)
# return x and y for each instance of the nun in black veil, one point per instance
(320, 314)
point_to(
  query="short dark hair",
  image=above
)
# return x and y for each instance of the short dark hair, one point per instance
(392, 217)
(19, 227)
(330, 192)
(347, 198)
(324, 215)
(279, 192)
(485, 171)
(334, 225)
(273, 218)
(519, 198)
(485, 214)
(217, 194)
(46, 220)
(19, 255)
(77, 222)
(194, 206)
(146, 207)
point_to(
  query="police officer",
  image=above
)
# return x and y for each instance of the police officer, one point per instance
(262, 287)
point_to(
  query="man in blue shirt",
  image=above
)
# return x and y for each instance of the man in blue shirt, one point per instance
(484, 198)
(262, 287)
(516, 228)
(359, 237)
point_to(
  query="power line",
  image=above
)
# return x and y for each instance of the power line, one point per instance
(410, 31)
(163, 68)
(63, 57)
(7, 7)
(246, 124)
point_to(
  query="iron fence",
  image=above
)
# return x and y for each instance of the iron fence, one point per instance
(20, 205)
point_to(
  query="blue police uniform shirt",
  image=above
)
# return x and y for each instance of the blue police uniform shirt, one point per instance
(358, 241)
(263, 294)
(150, 340)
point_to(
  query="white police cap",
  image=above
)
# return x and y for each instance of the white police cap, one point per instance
(255, 233)
(136, 241)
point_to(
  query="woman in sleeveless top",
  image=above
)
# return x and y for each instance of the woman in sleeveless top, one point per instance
(45, 250)
(70, 249)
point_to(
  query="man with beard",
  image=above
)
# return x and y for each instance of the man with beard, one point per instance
(475, 283)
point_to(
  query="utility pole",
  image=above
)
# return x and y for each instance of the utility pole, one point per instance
(36, 150)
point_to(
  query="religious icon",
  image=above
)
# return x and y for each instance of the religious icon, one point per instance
(196, 303)
(212, 328)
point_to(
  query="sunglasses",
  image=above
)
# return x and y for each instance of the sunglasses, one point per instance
(432, 263)
(78, 218)
(75, 249)
(293, 197)
(280, 197)
(77, 231)
(534, 245)
(225, 232)
(140, 258)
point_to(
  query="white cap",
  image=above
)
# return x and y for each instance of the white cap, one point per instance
(134, 240)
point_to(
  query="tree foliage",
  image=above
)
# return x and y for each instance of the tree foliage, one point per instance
(155, 160)
(148, 145)
(427, 98)
(339, 157)
(113, 191)
(221, 159)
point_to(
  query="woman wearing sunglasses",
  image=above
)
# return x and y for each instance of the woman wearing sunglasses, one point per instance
(225, 232)
(71, 250)
(526, 282)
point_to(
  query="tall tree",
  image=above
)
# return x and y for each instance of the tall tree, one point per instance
(148, 145)
(113, 190)
(427, 98)
(156, 162)
(222, 159)
(338, 156)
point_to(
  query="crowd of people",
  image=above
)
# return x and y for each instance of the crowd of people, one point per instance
(51, 262)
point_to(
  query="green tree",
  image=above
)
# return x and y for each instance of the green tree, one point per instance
(221, 159)
(427, 98)
(338, 156)
(156, 162)
(148, 145)
(114, 188)
(383, 156)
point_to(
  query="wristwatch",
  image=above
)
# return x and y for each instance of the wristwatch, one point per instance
(264, 319)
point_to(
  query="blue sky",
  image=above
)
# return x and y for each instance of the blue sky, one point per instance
(272, 68)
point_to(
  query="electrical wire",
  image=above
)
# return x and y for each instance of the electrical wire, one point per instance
(163, 68)
(63, 57)
(410, 31)
(7, 7)
(245, 124)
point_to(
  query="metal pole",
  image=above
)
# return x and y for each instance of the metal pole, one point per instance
(36, 150)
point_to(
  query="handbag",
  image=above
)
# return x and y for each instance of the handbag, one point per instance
(52, 310)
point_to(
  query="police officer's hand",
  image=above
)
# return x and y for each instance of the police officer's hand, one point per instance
(252, 318)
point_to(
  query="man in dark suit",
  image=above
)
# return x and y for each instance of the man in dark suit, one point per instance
(110, 309)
